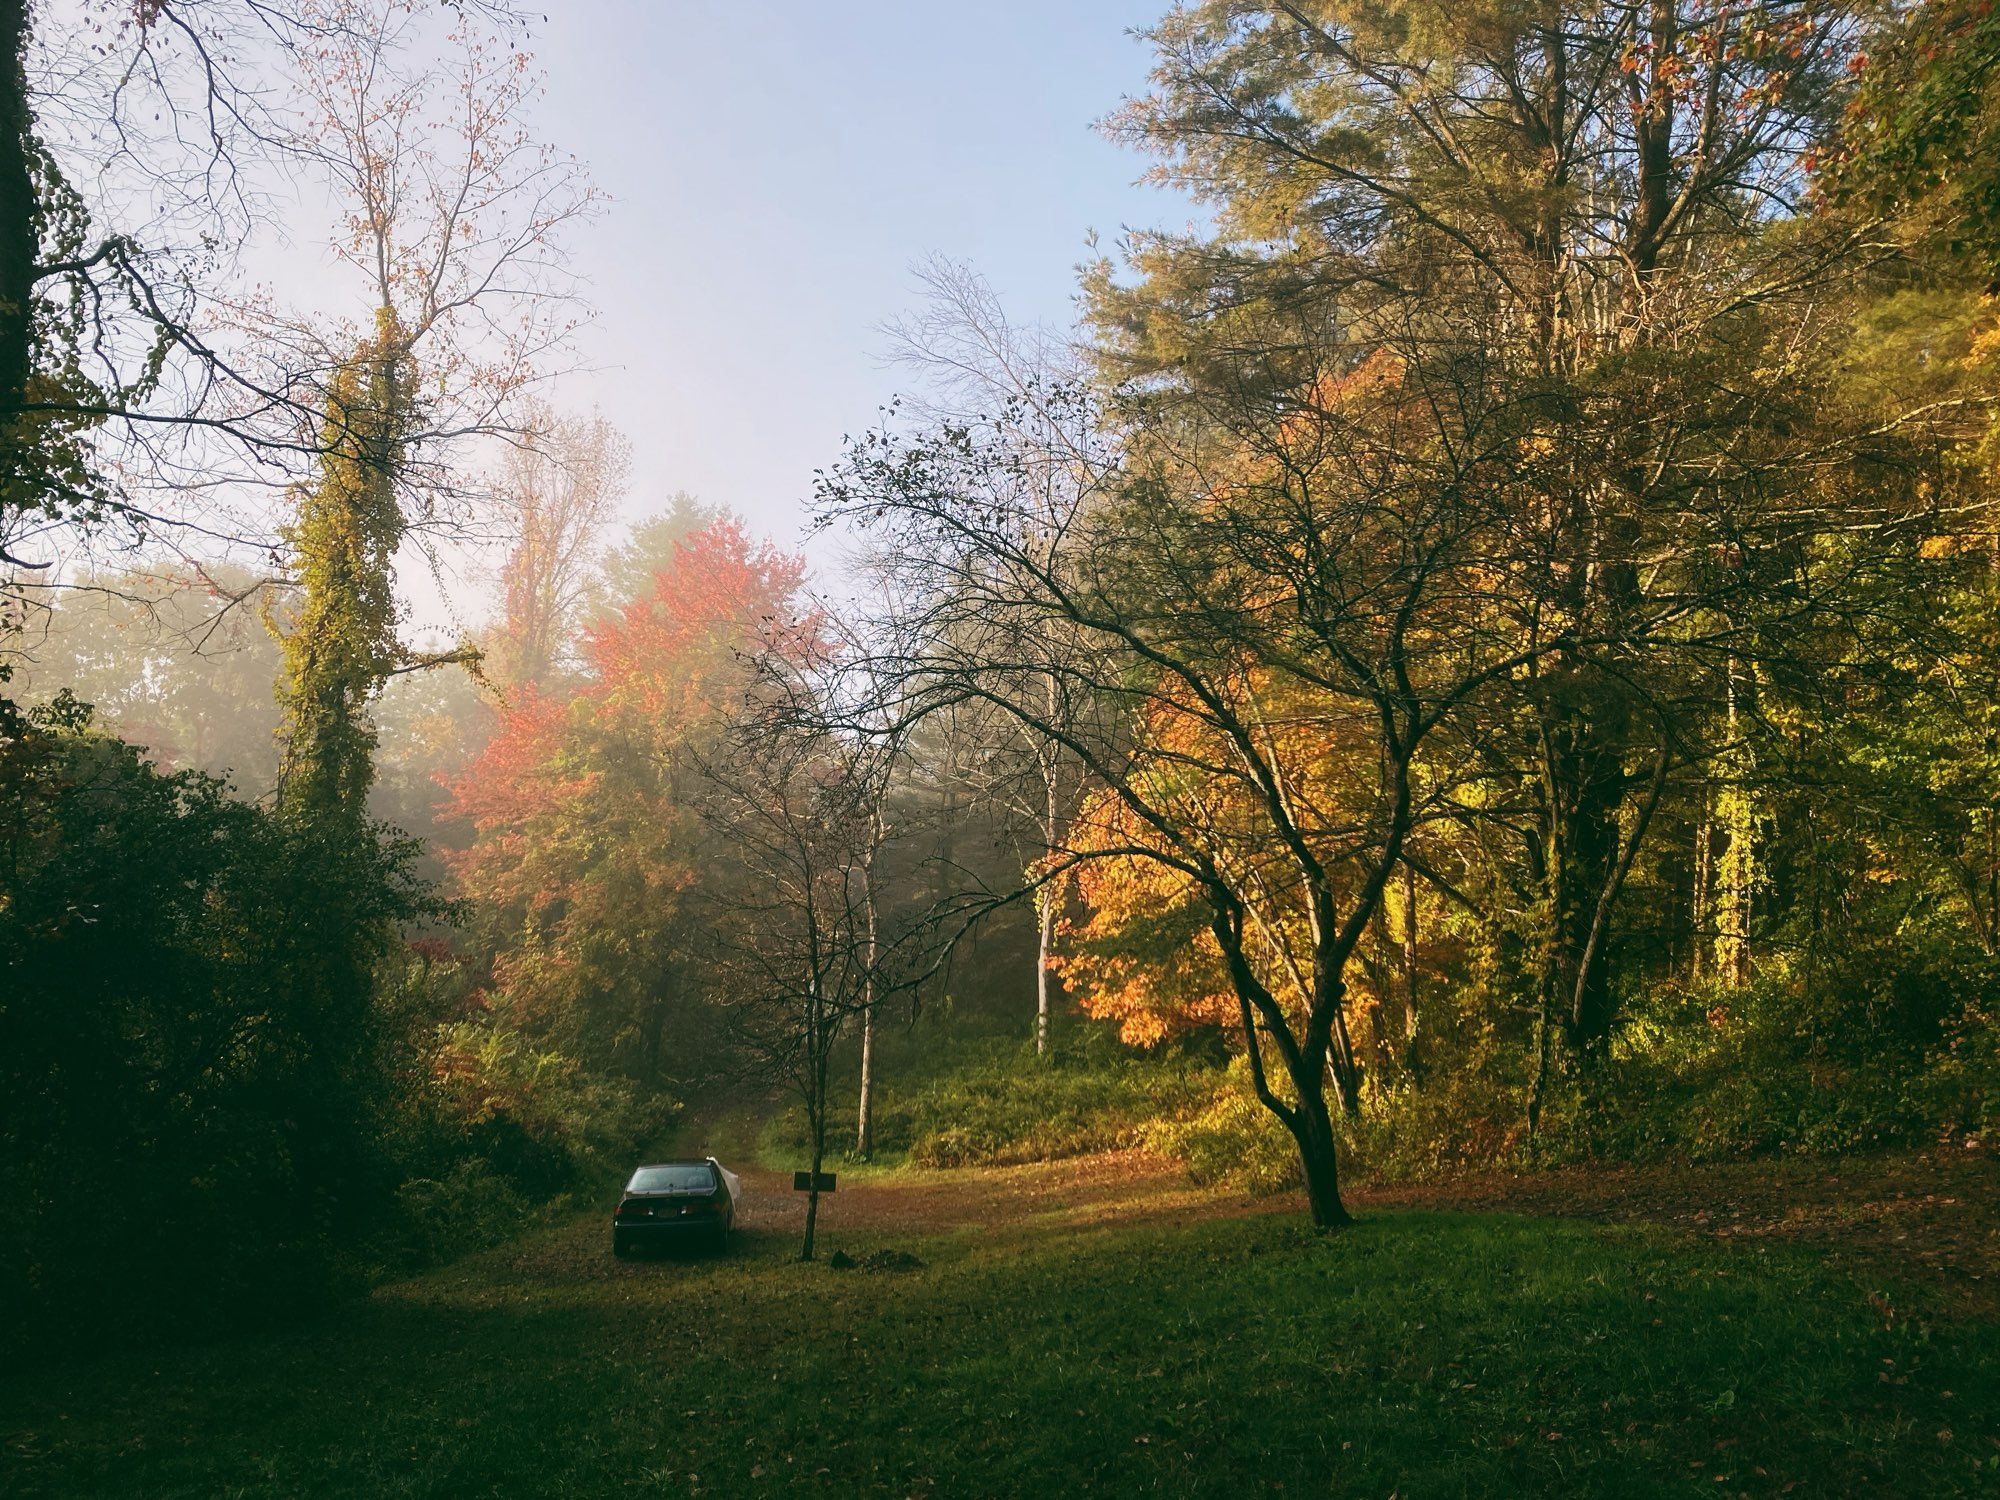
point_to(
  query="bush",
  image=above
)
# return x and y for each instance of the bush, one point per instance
(988, 1101)
(1891, 1055)
(1895, 1050)
(1227, 1137)
(1024, 1108)
(489, 1128)
(188, 1049)
(471, 1206)
(1892, 1050)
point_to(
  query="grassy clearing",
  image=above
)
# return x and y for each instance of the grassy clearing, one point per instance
(960, 1101)
(1425, 1354)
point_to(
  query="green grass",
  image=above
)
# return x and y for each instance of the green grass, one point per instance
(1419, 1354)
(984, 1100)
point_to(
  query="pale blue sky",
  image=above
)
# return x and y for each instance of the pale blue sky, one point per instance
(777, 167)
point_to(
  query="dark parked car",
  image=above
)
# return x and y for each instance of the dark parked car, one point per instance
(675, 1202)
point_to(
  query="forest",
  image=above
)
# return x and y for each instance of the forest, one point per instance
(1474, 660)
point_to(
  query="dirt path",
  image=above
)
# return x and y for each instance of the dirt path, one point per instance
(1930, 1221)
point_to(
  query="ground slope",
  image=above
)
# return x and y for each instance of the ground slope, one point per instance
(1092, 1326)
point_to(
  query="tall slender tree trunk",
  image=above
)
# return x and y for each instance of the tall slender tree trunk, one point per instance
(1588, 783)
(1385, 1027)
(812, 1192)
(818, 1045)
(1987, 920)
(1050, 893)
(19, 252)
(1044, 950)
(864, 1117)
(1410, 980)
(1739, 852)
(1704, 876)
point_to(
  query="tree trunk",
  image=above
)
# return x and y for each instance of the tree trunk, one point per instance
(1410, 981)
(819, 1045)
(812, 1210)
(1990, 917)
(1704, 873)
(864, 1115)
(1045, 943)
(816, 1119)
(19, 251)
(1538, 1083)
(1312, 1129)
(864, 1118)
(1384, 1032)
(1044, 947)
(1737, 866)
(1586, 787)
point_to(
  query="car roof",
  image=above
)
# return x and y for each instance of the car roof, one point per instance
(679, 1161)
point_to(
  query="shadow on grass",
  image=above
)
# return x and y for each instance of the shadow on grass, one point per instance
(1431, 1354)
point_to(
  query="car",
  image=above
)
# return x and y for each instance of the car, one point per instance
(675, 1203)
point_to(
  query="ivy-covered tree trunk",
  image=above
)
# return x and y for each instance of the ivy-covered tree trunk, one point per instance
(338, 650)
(342, 645)
(1736, 866)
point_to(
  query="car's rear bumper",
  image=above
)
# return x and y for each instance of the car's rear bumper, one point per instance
(667, 1231)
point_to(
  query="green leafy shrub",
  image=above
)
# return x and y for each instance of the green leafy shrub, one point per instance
(1024, 1109)
(1891, 1050)
(189, 1052)
(1895, 1052)
(535, 1115)
(493, 1129)
(1227, 1137)
(992, 1100)
(470, 1206)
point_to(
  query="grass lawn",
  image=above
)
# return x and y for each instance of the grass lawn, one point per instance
(1061, 1350)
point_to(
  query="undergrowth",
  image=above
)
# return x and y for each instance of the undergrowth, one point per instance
(1692, 1075)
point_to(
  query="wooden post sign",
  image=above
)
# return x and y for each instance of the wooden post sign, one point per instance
(805, 1182)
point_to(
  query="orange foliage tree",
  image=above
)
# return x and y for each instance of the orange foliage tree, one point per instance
(1225, 610)
(588, 838)
(1140, 951)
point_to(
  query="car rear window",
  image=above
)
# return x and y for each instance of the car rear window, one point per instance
(696, 1178)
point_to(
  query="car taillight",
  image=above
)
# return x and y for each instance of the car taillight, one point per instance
(631, 1210)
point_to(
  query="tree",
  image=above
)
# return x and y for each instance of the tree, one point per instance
(559, 483)
(798, 947)
(973, 359)
(589, 851)
(452, 210)
(135, 151)
(851, 688)
(1922, 132)
(1331, 565)
(168, 998)
(1607, 199)
(175, 662)
(342, 645)
(626, 571)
